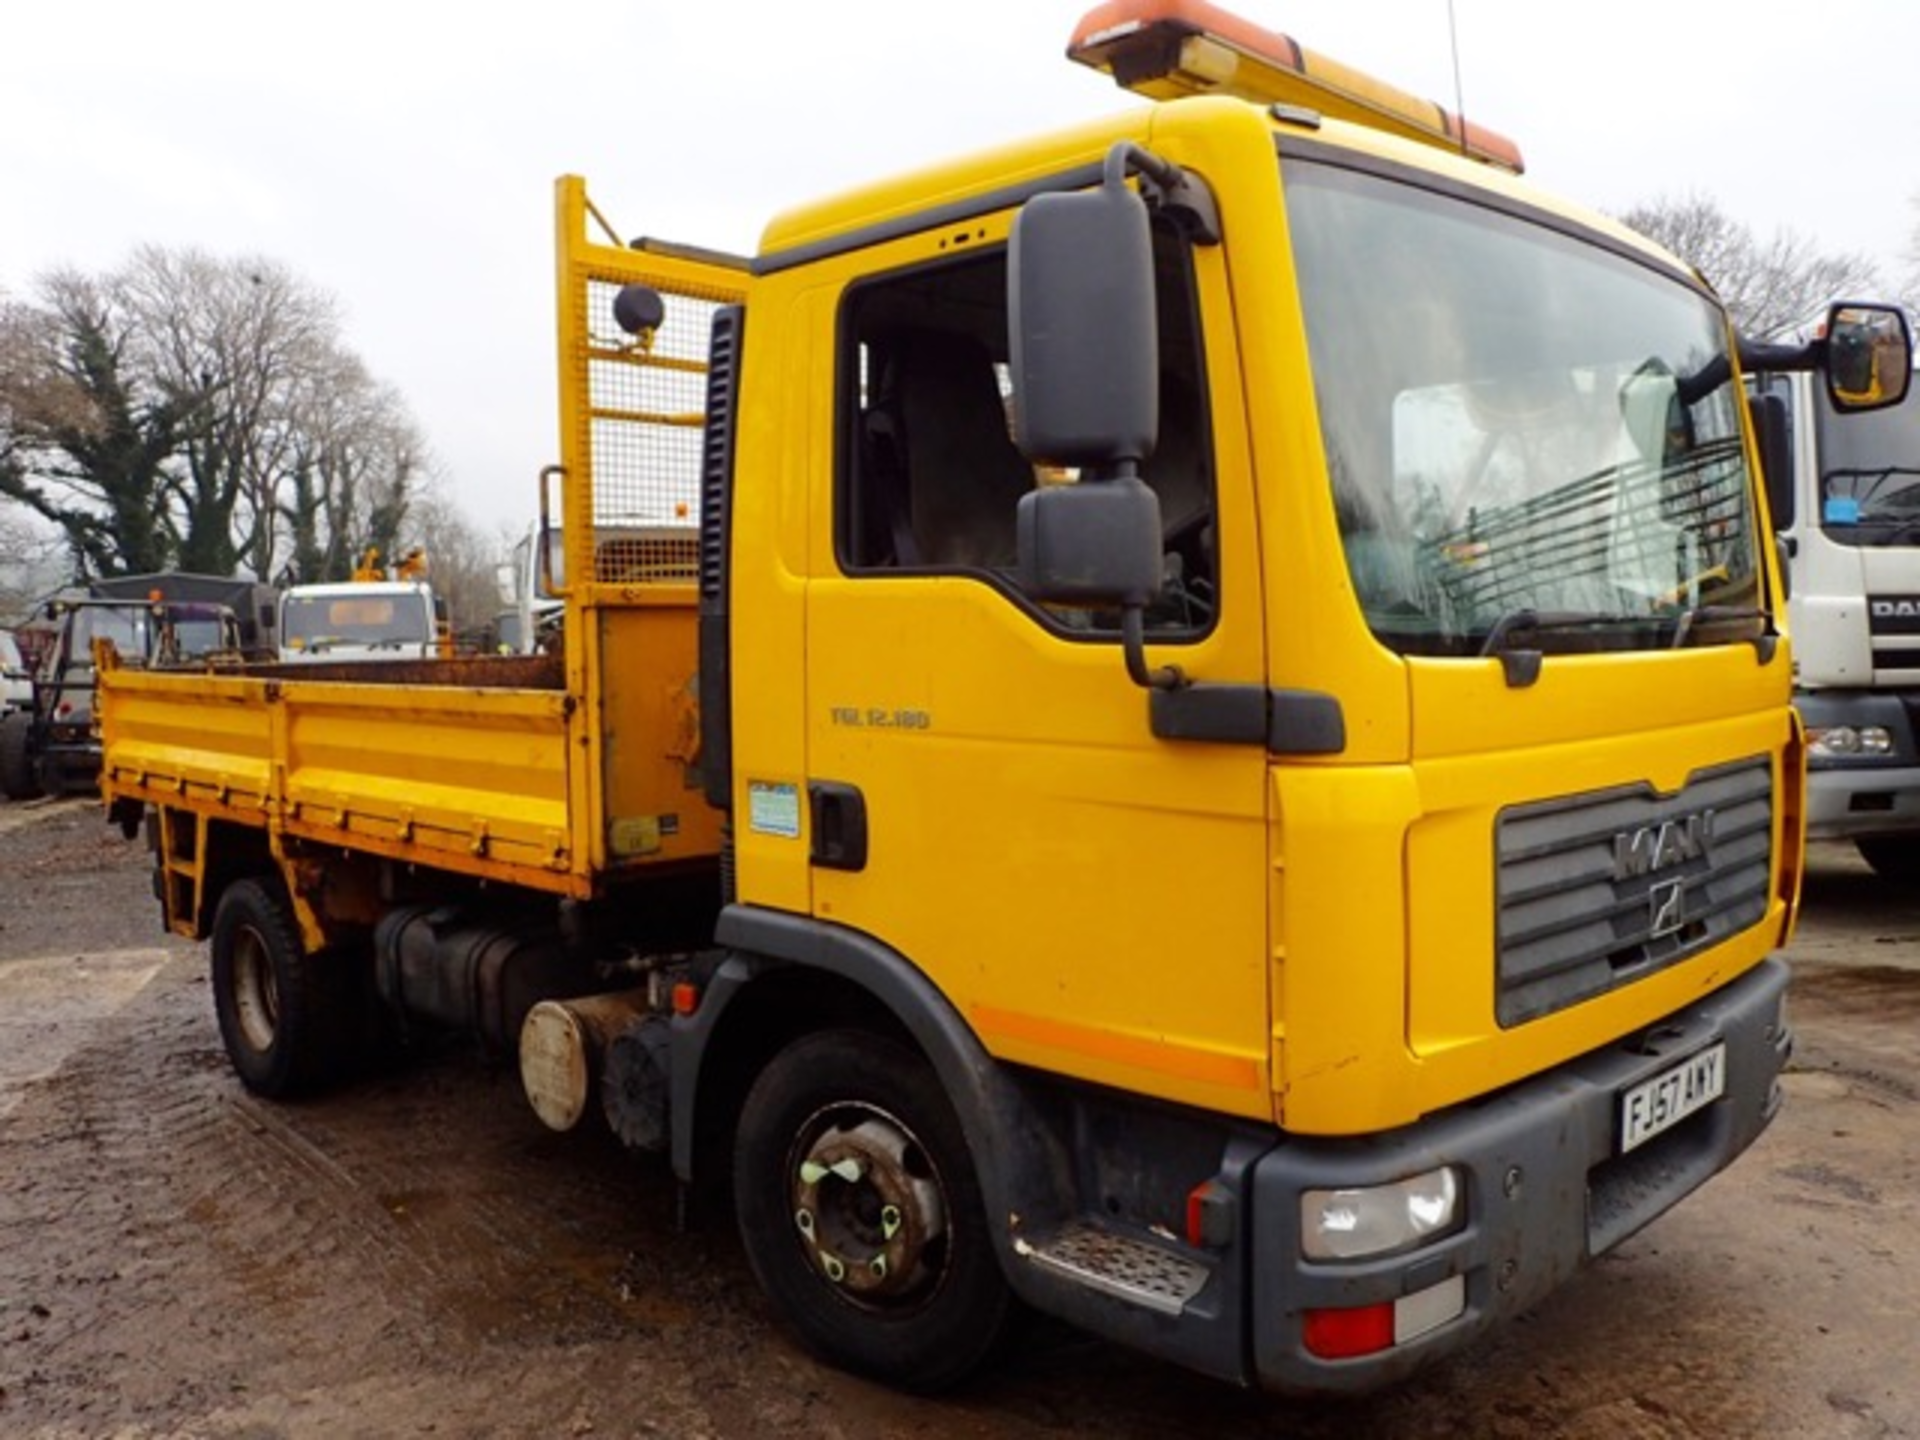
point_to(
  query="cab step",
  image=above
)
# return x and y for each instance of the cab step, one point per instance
(1131, 1269)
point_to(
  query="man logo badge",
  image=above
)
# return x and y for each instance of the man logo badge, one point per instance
(1667, 906)
(1662, 846)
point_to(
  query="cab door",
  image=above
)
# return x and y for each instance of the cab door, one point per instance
(985, 793)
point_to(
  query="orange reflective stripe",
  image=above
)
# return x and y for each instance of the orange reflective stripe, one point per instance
(1184, 1062)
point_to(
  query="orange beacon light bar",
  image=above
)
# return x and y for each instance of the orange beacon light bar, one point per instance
(1163, 49)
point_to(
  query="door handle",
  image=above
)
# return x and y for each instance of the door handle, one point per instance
(839, 813)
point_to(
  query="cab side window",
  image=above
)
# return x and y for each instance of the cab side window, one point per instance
(930, 480)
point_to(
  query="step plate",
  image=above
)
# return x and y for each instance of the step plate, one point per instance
(1130, 1269)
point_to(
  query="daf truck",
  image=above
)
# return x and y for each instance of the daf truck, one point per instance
(1845, 496)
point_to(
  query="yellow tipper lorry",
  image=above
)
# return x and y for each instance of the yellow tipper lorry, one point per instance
(1183, 724)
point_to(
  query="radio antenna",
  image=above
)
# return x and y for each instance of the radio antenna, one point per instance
(1459, 94)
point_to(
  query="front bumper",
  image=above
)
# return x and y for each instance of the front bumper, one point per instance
(1851, 796)
(1843, 804)
(1545, 1190)
(69, 761)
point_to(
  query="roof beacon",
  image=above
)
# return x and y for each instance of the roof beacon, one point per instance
(1167, 48)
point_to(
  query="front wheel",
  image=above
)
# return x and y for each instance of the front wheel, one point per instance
(1892, 857)
(281, 1010)
(17, 779)
(861, 1215)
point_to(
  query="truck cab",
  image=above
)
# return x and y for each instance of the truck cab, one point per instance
(1406, 633)
(1844, 491)
(531, 585)
(358, 620)
(51, 745)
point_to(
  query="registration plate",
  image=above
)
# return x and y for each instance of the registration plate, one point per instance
(1659, 1104)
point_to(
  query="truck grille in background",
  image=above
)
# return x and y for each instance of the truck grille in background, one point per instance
(1599, 890)
(1893, 624)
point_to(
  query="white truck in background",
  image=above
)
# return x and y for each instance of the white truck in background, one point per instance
(377, 615)
(626, 551)
(16, 681)
(530, 585)
(1845, 497)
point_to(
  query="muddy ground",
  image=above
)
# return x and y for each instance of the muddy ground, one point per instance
(417, 1256)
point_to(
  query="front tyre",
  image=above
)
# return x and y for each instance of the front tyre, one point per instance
(17, 778)
(861, 1215)
(280, 1009)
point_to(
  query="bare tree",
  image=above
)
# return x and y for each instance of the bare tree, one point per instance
(249, 335)
(32, 561)
(1772, 286)
(192, 411)
(88, 434)
(355, 463)
(1910, 278)
(464, 564)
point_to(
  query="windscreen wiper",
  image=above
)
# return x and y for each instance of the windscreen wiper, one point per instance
(1522, 667)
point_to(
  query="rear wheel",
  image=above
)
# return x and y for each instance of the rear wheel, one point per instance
(861, 1214)
(1893, 857)
(281, 1010)
(17, 777)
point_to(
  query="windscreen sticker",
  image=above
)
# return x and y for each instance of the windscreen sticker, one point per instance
(1842, 510)
(773, 809)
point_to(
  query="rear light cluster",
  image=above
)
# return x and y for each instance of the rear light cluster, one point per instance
(1368, 1329)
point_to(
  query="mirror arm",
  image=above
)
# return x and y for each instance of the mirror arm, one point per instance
(1756, 357)
(1133, 643)
(1777, 359)
(1166, 187)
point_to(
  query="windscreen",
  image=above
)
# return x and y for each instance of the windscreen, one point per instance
(1870, 473)
(127, 628)
(1530, 437)
(318, 622)
(198, 634)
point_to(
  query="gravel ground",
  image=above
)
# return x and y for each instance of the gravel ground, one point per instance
(415, 1255)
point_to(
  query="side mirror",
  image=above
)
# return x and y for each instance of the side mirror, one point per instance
(1094, 543)
(1869, 355)
(1771, 430)
(1084, 352)
(1083, 339)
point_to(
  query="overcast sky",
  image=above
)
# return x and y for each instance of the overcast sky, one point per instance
(400, 155)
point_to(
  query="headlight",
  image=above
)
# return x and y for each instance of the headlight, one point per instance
(1851, 741)
(1379, 1219)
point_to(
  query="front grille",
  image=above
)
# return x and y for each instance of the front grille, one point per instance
(1893, 623)
(1599, 890)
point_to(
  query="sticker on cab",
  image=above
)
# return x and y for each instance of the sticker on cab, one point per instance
(773, 809)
